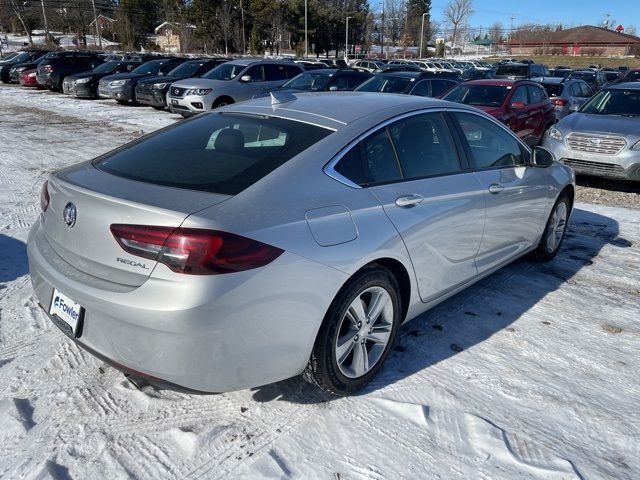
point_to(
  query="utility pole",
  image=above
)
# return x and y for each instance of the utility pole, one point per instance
(306, 32)
(46, 24)
(422, 34)
(95, 19)
(382, 35)
(346, 42)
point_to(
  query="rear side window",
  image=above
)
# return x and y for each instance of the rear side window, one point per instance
(218, 153)
(371, 161)
(273, 72)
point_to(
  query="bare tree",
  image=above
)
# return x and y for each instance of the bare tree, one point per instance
(457, 12)
(631, 30)
(18, 10)
(495, 32)
(225, 22)
(394, 20)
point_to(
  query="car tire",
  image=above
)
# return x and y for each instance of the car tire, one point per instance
(555, 229)
(157, 107)
(222, 102)
(344, 368)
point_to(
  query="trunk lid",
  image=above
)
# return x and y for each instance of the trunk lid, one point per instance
(100, 200)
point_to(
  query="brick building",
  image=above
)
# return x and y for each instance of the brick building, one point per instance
(585, 40)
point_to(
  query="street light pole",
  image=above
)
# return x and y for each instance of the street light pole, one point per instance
(95, 19)
(306, 32)
(422, 34)
(346, 42)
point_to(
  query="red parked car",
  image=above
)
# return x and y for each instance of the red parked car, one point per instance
(522, 105)
(28, 78)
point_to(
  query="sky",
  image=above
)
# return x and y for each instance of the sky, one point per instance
(568, 12)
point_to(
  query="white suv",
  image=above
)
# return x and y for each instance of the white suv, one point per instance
(228, 83)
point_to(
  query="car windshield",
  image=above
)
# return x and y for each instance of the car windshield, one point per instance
(313, 81)
(21, 57)
(106, 67)
(186, 69)
(586, 76)
(614, 102)
(385, 84)
(149, 68)
(226, 71)
(513, 70)
(484, 95)
(554, 90)
(633, 76)
(218, 153)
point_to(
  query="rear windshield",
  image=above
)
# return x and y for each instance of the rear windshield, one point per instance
(385, 84)
(554, 90)
(217, 153)
(513, 70)
(484, 95)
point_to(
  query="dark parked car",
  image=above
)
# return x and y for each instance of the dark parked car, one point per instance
(515, 71)
(22, 57)
(397, 67)
(596, 80)
(321, 80)
(522, 105)
(632, 75)
(478, 73)
(333, 62)
(122, 86)
(612, 75)
(561, 72)
(152, 91)
(427, 84)
(85, 84)
(52, 71)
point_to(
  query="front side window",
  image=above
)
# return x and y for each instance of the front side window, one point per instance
(217, 153)
(422, 88)
(491, 146)
(255, 73)
(520, 95)
(535, 94)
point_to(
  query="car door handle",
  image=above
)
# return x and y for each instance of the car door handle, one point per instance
(409, 200)
(495, 188)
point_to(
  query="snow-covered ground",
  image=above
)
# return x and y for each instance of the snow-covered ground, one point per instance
(533, 373)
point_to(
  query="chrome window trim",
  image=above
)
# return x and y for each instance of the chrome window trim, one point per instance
(329, 167)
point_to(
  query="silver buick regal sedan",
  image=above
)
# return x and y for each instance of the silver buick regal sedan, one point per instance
(287, 236)
(603, 137)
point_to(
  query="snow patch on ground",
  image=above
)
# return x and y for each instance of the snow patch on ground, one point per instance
(530, 374)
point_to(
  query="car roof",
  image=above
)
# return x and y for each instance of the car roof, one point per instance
(496, 82)
(399, 73)
(624, 86)
(336, 109)
(325, 70)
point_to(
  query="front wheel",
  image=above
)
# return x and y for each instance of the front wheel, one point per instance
(555, 229)
(357, 333)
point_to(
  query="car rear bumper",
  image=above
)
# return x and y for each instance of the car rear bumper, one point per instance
(623, 166)
(223, 333)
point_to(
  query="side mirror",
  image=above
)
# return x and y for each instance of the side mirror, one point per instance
(541, 157)
(245, 78)
(333, 88)
(517, 105)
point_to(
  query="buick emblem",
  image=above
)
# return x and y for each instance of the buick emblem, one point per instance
(69, 214)
(595, 141)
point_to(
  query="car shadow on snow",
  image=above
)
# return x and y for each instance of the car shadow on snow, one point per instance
(477, 313)
(13, 259)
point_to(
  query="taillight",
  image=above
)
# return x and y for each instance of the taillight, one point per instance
(44, 196)
(194, 251)
(559, 102)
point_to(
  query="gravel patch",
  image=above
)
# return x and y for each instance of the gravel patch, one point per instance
(613, 193)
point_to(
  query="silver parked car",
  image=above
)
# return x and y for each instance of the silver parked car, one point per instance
(274, 238)
(567, 95)
(603, 137)
(229, 83)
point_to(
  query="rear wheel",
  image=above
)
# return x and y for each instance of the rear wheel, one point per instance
(357, 333)
(555, 229)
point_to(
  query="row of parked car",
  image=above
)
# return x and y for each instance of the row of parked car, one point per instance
(525, 97)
